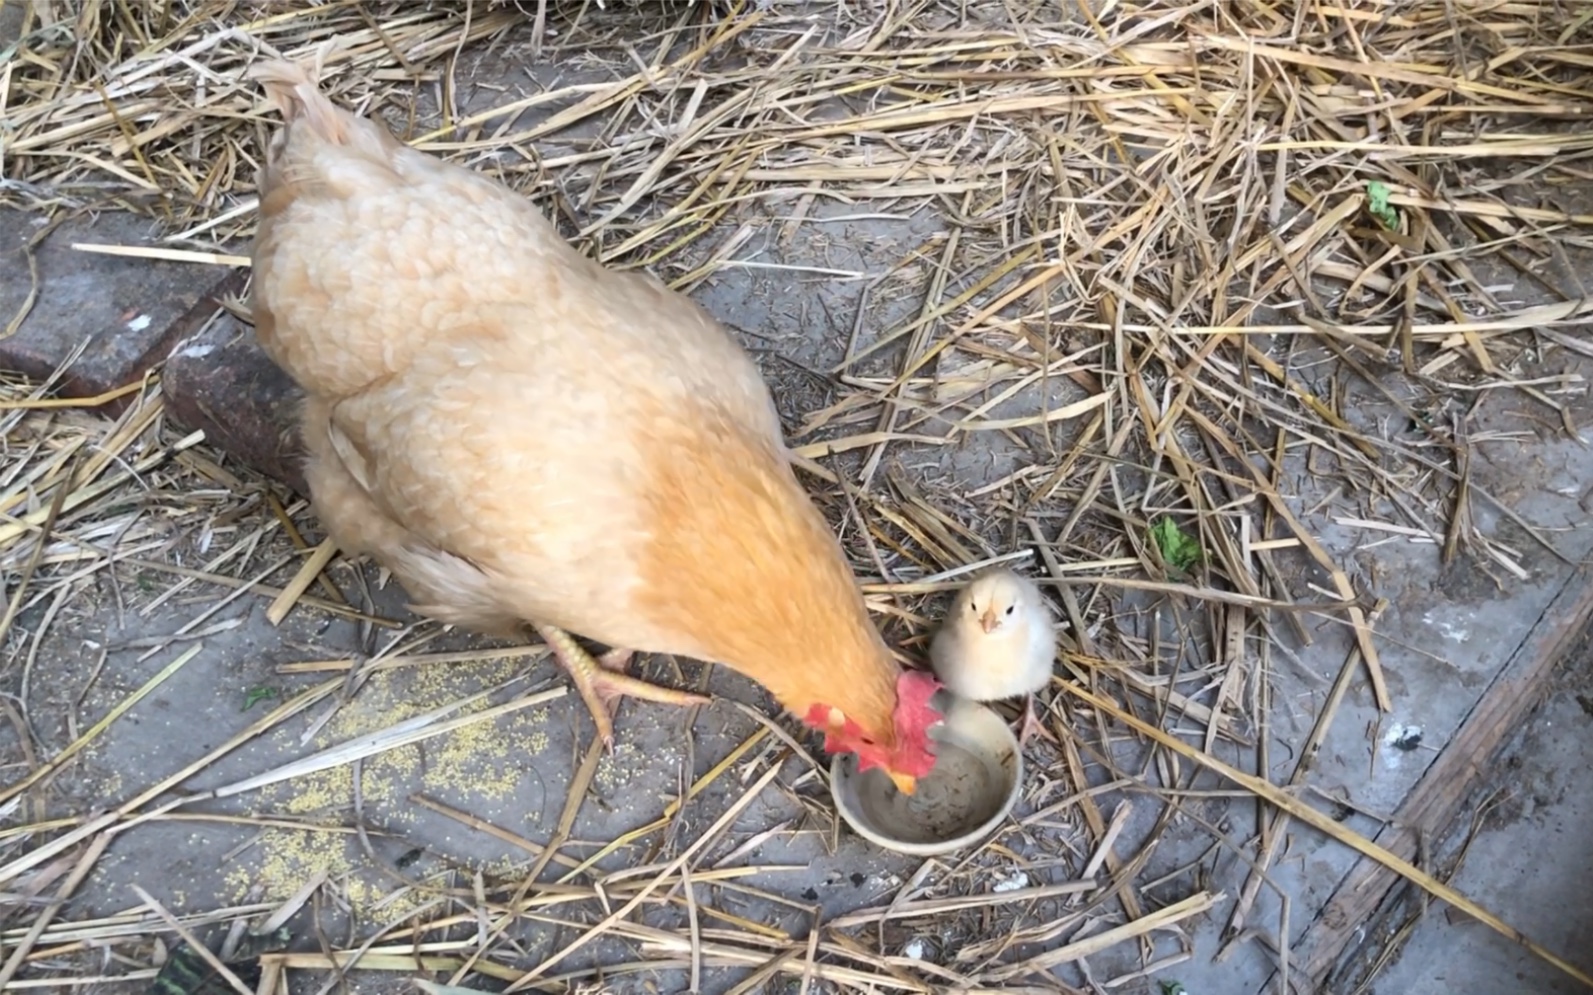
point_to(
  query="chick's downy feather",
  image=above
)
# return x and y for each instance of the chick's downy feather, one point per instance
(997, 641)
(520, 434)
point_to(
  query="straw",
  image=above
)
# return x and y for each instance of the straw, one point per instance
(1194, 287)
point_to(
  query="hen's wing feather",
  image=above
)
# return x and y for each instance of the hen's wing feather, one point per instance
(440, 584)
(553, 531)
(345, 506)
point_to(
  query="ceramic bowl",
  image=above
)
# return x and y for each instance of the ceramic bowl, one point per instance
(978, 774)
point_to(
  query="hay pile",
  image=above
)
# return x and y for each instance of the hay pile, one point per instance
(1179, 245)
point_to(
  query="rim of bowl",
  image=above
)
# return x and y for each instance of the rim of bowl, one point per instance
(929, 849)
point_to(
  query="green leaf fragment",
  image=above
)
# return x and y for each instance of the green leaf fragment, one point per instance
(1179, 549)
(186, 972)
(256, 695)
(1173, 988)
(1377, 203)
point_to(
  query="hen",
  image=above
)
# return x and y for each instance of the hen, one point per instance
(523, 436)
(998, 642)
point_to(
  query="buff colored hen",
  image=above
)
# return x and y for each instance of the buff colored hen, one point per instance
(525, 437)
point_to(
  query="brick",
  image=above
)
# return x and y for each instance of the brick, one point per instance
(125, 312)
(220, 380)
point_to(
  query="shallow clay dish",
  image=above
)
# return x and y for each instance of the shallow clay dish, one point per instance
(978, 772)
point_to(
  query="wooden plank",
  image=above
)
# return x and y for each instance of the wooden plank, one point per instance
(112, 317)
(1346, 922)
(220, 381)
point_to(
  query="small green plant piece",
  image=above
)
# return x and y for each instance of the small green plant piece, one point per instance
(186, 972)
(258, 694)
(1377, 203)
(1173, 988)
(1179, 549)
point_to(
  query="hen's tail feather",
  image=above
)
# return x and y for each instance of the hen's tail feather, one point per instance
(293, 89)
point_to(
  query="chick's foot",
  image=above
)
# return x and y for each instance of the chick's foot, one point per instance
(602, 681)
(1030, 725)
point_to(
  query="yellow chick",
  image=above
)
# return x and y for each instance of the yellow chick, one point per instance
(997, 642)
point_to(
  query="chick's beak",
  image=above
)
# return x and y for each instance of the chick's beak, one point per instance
(988, 620)
(905, 783)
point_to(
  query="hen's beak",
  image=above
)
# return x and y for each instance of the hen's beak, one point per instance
(988, 620)
(905, 783)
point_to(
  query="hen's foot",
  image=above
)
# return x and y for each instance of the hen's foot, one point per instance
(1030, 725)
(602, 681)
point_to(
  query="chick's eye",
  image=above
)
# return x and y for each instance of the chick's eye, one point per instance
(1009, 609)
(973, 606)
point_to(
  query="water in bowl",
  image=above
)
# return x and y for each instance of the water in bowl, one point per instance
(961, 794)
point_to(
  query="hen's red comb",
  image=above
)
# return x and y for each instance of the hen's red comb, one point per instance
(913, 716)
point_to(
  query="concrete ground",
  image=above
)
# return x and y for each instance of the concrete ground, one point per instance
(1527, 859)
(474, 803)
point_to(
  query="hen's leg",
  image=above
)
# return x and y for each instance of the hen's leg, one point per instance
(601, 682)
(1030, 726)
(614, 661)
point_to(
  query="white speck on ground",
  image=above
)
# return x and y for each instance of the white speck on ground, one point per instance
(1450, 631)
(1011, 882)
(1396, 743)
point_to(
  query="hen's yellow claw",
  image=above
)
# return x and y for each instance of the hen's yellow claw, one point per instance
(602, 681)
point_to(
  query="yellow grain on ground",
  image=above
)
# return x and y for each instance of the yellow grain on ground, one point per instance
(283, 859)
(620, 767)
(480, 768)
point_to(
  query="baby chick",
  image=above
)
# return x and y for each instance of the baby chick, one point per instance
(997, 642)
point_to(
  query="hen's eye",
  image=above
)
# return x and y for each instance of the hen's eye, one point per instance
(1009, 609)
